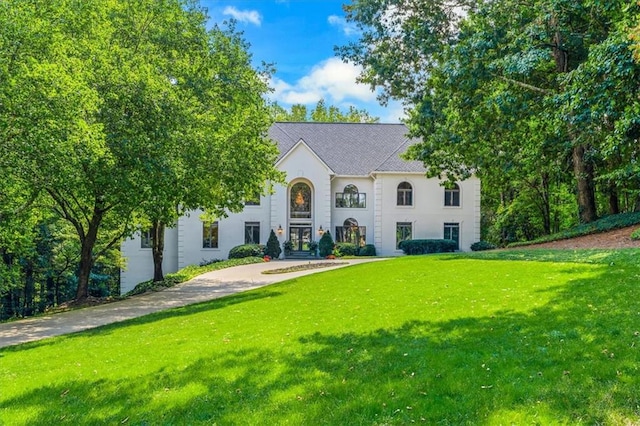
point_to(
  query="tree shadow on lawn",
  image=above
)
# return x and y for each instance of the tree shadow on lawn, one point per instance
(573, 360)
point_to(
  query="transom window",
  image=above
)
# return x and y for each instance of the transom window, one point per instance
(404, 231)
(210, 235)
(452, 196)
(405, 194)
(351, 198)
(300, 201)
(350, 232)
(252, 232)
(452, 232)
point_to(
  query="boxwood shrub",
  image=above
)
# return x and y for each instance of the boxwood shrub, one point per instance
(482, 245)
(347, 249)
(367, 250)
(246, 250)
(635, 235)
(428, 246)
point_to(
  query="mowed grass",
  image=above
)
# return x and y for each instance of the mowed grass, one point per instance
(515, 337)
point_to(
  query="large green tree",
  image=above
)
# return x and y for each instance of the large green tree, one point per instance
(108, 108)
(499, 88)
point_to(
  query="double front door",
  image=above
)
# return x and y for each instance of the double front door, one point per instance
(300, 237)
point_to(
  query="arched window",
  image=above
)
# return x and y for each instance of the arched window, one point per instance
(350, 232)
(452, 196)
(405, 194)
(350, 197)
(300, 201)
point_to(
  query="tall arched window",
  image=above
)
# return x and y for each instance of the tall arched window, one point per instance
(452, 196)
(300, 201)
(405, 194)
(350, 232)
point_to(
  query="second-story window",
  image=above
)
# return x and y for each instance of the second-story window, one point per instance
(350, 197)
(405, 194)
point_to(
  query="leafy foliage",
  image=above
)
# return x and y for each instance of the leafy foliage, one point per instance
(321, 114)
(367, 250)
(273, 246)
(189, 272)
(347, 249)
(246, 250)
(604, 224)
(482, 245)
(326, 244)
(428, 246)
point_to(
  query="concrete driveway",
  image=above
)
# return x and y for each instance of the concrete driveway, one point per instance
(211, 285)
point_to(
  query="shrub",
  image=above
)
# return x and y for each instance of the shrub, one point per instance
(367, 250)
(246, 250)
(635, 235)
(325, 245)
(482, 245)
(209, 262)
(427, 246)
(273, 249)
(313, 247)
(288, 247)
(347, 249)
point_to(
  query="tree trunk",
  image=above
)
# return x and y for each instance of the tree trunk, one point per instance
(157, 248)
(86, 254)
(583, 172)
(614, 201)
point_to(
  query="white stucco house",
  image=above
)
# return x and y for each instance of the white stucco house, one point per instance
(344, 177)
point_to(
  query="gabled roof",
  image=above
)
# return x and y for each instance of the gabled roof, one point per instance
(350, 149)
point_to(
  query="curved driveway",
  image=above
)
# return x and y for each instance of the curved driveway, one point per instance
(211, 285)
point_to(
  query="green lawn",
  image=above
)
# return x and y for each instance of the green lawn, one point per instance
(515, 337)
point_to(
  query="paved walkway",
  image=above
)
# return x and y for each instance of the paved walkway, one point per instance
(211, 285)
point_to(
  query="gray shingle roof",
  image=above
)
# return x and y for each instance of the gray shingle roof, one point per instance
(350, 149)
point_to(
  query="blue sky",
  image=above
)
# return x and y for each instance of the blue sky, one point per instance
(298, 36)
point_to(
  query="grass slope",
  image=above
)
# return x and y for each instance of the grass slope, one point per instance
(487, 338)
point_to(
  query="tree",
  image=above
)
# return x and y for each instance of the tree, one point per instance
(500, 77)
(273, 246)
(102, 110)
(321, 113)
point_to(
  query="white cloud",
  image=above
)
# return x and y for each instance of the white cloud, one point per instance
(332, 80)
(346, 27)
(247, 16)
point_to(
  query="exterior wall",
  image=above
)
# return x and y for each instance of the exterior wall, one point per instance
(302, 165)
(139, 261)
(230, 233)
(428, 213)
(364, 216)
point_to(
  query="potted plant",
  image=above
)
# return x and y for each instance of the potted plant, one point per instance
(288, 247)
(313, 248)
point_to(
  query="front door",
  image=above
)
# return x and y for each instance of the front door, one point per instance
(300, 236)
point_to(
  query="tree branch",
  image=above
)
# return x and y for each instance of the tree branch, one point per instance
(525, 85)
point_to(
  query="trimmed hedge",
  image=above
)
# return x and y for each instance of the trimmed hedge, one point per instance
(347, 249)
(367, 250)
(428, 246)
(482, 245)
(273, 246)
(246, 250)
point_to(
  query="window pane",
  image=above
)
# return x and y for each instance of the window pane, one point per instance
(403, 232)
(252, 233)
(210, 235)
(300, 201)
(452, 232)
(145, 239)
